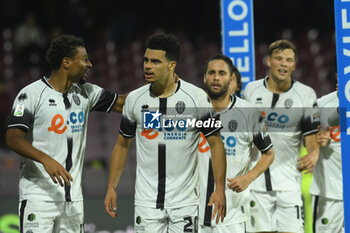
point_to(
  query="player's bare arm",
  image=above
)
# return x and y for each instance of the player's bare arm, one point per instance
(240, 183)
(117, 164)
(323, 136)
(118, 106)
(15, 140)
(218, 198)
(308, 162)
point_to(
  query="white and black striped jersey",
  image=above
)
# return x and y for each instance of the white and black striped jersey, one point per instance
(56, 124)
(288, 116)
(166, 144)
(327, 174)
(242, 127)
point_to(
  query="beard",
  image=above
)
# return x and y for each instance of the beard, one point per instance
(216, 95)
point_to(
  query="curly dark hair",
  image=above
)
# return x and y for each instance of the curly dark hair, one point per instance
(167, 43)
(232, 68)
(63, 46)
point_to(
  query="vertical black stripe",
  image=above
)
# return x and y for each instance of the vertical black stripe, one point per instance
(210, 190)
(68, 166)
(268, 182)
(21, 215)
(162, 105)
(315, 214)
(274, 100)
(267, 174)
(66, 102)
(161, 175)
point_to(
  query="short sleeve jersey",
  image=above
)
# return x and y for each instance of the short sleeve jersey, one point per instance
(166, 145)
(56, 124)
(288, 116)
(242, 127)
(327, 174)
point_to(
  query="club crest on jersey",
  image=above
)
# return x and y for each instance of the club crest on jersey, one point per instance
(19, 111)
(76, 99)
(288, 103)
(152, 120)
(180, 107)
(232, 125)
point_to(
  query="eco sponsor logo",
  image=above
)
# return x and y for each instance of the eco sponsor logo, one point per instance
(75, 121)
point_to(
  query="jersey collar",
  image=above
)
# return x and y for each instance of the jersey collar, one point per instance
(267, 78)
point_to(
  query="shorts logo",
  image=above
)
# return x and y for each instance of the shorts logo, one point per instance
(138, 219)
(288, 103)
(151, 120)
(180, 107)
(252, 204)
(19, 111)
(232, 125)
(31, 217)
(76, 99)
(324, 221)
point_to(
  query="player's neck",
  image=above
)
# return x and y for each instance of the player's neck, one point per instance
(278, 86)
(221, 103)
(164, 88)
(59, 81)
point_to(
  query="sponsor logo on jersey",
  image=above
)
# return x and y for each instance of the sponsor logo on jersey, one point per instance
(275, 120)
(180, 107)
(335, 133)
(229, 143)
(144, 107)
(75, 121)
(19, 110)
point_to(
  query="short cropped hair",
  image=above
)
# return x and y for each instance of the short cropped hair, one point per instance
(232, 68)
(282, 45)
(61, 47)
(167, 43)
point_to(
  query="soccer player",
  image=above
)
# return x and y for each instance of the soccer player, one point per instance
(48, 128)
(161, 115)
(290, 113)
(242, 128)
(327, 185)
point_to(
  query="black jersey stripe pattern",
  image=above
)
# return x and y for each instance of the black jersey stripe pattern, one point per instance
(210, 189)
(69, 164)
(161, 162)
(21, 215)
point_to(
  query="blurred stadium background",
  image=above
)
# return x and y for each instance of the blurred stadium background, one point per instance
(115, 32)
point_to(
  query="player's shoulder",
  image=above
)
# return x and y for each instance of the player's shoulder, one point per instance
(302, 88)
(242, 103)
(139, 92)
(256, 86)
(194, 92)
(35, 88)
(330, 97)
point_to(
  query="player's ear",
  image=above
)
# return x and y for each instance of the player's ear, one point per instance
(268, 61)
(172, 65)
(65, 63)
(204, 79)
